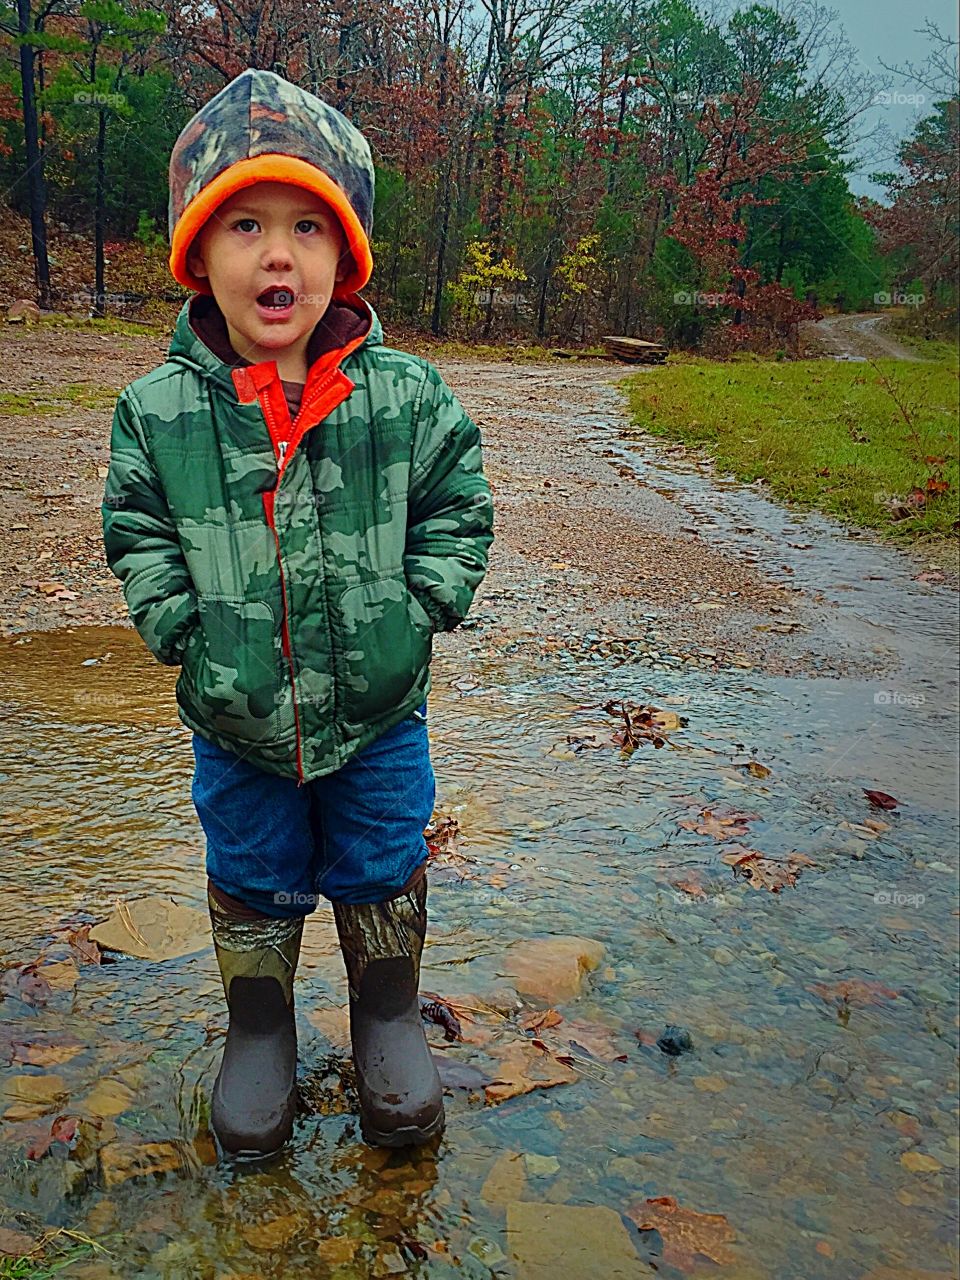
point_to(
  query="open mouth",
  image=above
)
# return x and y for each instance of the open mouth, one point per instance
(276, 298)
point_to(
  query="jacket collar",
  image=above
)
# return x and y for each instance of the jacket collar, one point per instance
(200, 339)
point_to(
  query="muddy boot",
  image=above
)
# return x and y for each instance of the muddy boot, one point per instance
(254, 1096)
(401, 1100)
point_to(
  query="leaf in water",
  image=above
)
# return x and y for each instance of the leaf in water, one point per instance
(333, 1023)
(709, 824)
(25, 983)
(523, 1068)
(686, 1234)
(539, 1019)
(153, 928)
(880, 799)
(852, 991)
(756, 769)
(693, 887)
(764, 873)
(63, 1129)
(80, 942)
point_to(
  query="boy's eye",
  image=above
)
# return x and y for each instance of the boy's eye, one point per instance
(244, 224)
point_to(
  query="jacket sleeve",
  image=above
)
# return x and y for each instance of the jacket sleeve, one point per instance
(450, 507)
(141, 543)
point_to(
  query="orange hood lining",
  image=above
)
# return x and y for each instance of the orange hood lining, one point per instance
(269, 168)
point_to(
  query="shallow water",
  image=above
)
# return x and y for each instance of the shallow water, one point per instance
(791, 1115)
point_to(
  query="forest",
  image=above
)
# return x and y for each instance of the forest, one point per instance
(545, 170)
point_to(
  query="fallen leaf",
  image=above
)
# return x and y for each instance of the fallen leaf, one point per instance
(766, 873)
(25, 983)
(880, 799)
(63, 1129)
(685, 1233)
(523, 1068)
(852, 991)
(538, 1019)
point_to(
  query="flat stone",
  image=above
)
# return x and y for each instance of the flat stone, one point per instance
(506, 1180)
(577, 1242)
(552, 969)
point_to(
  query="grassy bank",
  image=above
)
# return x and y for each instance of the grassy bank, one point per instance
(870, 444)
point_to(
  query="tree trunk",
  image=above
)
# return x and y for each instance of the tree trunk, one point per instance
(99, 287)
(36, 190)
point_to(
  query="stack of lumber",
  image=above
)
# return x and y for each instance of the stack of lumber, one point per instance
(636, 350)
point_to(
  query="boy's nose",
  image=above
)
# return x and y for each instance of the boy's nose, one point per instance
(277, 255)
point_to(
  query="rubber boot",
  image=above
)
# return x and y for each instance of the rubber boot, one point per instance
(255, 1095)
(401, 1099)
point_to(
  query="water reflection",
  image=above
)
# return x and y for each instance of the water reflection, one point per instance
(816, 1111)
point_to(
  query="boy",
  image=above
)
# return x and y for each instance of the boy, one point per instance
(294, 510)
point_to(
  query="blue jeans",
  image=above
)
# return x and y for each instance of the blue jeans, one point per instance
(355, 835)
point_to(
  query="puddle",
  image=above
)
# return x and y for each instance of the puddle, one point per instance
(819, 1119)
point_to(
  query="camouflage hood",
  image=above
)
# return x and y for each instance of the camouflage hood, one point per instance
(262, 128)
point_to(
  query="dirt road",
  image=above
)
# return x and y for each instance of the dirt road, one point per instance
(857, 337)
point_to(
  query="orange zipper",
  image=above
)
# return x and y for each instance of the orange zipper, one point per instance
(255, 382)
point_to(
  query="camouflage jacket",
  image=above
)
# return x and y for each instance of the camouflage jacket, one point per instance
(296, 572)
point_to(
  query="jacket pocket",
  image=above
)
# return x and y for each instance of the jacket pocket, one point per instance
(386, 637)
(231, 669)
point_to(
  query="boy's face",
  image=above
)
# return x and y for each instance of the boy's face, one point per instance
(272, 233)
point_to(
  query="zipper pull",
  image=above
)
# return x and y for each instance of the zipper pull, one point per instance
(282, 449)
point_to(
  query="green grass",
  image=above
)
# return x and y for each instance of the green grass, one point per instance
(55, 1259)
(108, 324)
(822, 434)
(47, 401)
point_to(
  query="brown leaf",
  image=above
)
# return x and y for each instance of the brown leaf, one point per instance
(880, 799)
(63, 1129)
(523, 1068)
(25, 983)
(686, 1234)
(852, 991)
(766, 873)
(538, 1019)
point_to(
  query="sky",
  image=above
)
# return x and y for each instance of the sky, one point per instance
(889, 31)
